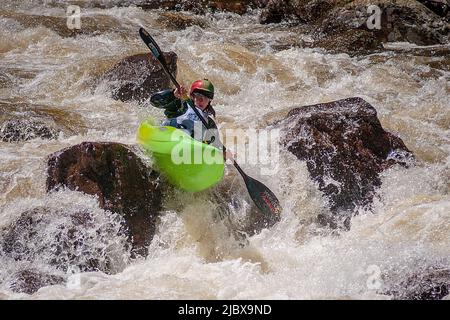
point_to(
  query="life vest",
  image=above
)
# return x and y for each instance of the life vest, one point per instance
(182, 117)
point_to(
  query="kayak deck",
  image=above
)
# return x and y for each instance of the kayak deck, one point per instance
(187, 163)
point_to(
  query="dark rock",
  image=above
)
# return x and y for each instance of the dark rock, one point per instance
(120, 179)
(276, 11)
(30, 281)
(345, 149)
(90, 25)
(23, 121)
(58, 241)
(16, 130)
(305, 11)
(202, 6)
(180, 21)
(62, 239)
(341, 26)
(11, 241)
(6, 80)
(161, 4)
(430, 284)
(232, 200)
(138, 77)
(440, 7)
(350, 41)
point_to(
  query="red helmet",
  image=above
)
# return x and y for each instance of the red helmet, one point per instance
(205, 87)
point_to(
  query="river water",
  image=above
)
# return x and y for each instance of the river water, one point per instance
(191, 257)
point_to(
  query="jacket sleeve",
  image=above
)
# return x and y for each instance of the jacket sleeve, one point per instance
(165, 99)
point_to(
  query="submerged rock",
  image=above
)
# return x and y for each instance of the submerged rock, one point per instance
(200, 7)
(120, 180)
(180, 21)
(138, 77)
(23, 122)
(238, 211)
(345, 149)
(30, 281)
(49, 243)
(16, 130)
(60, 238)
(432, 283)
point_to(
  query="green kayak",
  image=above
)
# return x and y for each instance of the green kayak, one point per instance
(187, 163)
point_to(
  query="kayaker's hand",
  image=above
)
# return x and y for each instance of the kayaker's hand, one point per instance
(181, 93)
(227, 155)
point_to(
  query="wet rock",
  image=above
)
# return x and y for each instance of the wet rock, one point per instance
(430, 284)
(16, 130)
(238, 7)
(348, 26)
(295, 10)
(90, 24)
(62, 239)
(122, 182)
(6, 80)
(350, 41)
(59, 241)
(23, 122)
(237, 210)
(200, 7)
(440, 7)
(30, 281)
(345, 149)
(138, 77)
(180, 21)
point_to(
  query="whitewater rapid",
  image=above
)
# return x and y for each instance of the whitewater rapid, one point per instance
(192, 256)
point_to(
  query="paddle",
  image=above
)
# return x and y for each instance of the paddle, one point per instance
(265, 200)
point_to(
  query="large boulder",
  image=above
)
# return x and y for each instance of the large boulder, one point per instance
(345, 149)
(346, 26)
(118, 177)
(139, 76)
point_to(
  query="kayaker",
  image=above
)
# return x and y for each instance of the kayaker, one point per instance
(183, 117)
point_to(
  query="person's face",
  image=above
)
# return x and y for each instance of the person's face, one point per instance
(201, 101)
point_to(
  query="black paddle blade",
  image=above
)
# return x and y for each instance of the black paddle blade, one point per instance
(151, 44)
(157, 53)
(264, 199)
